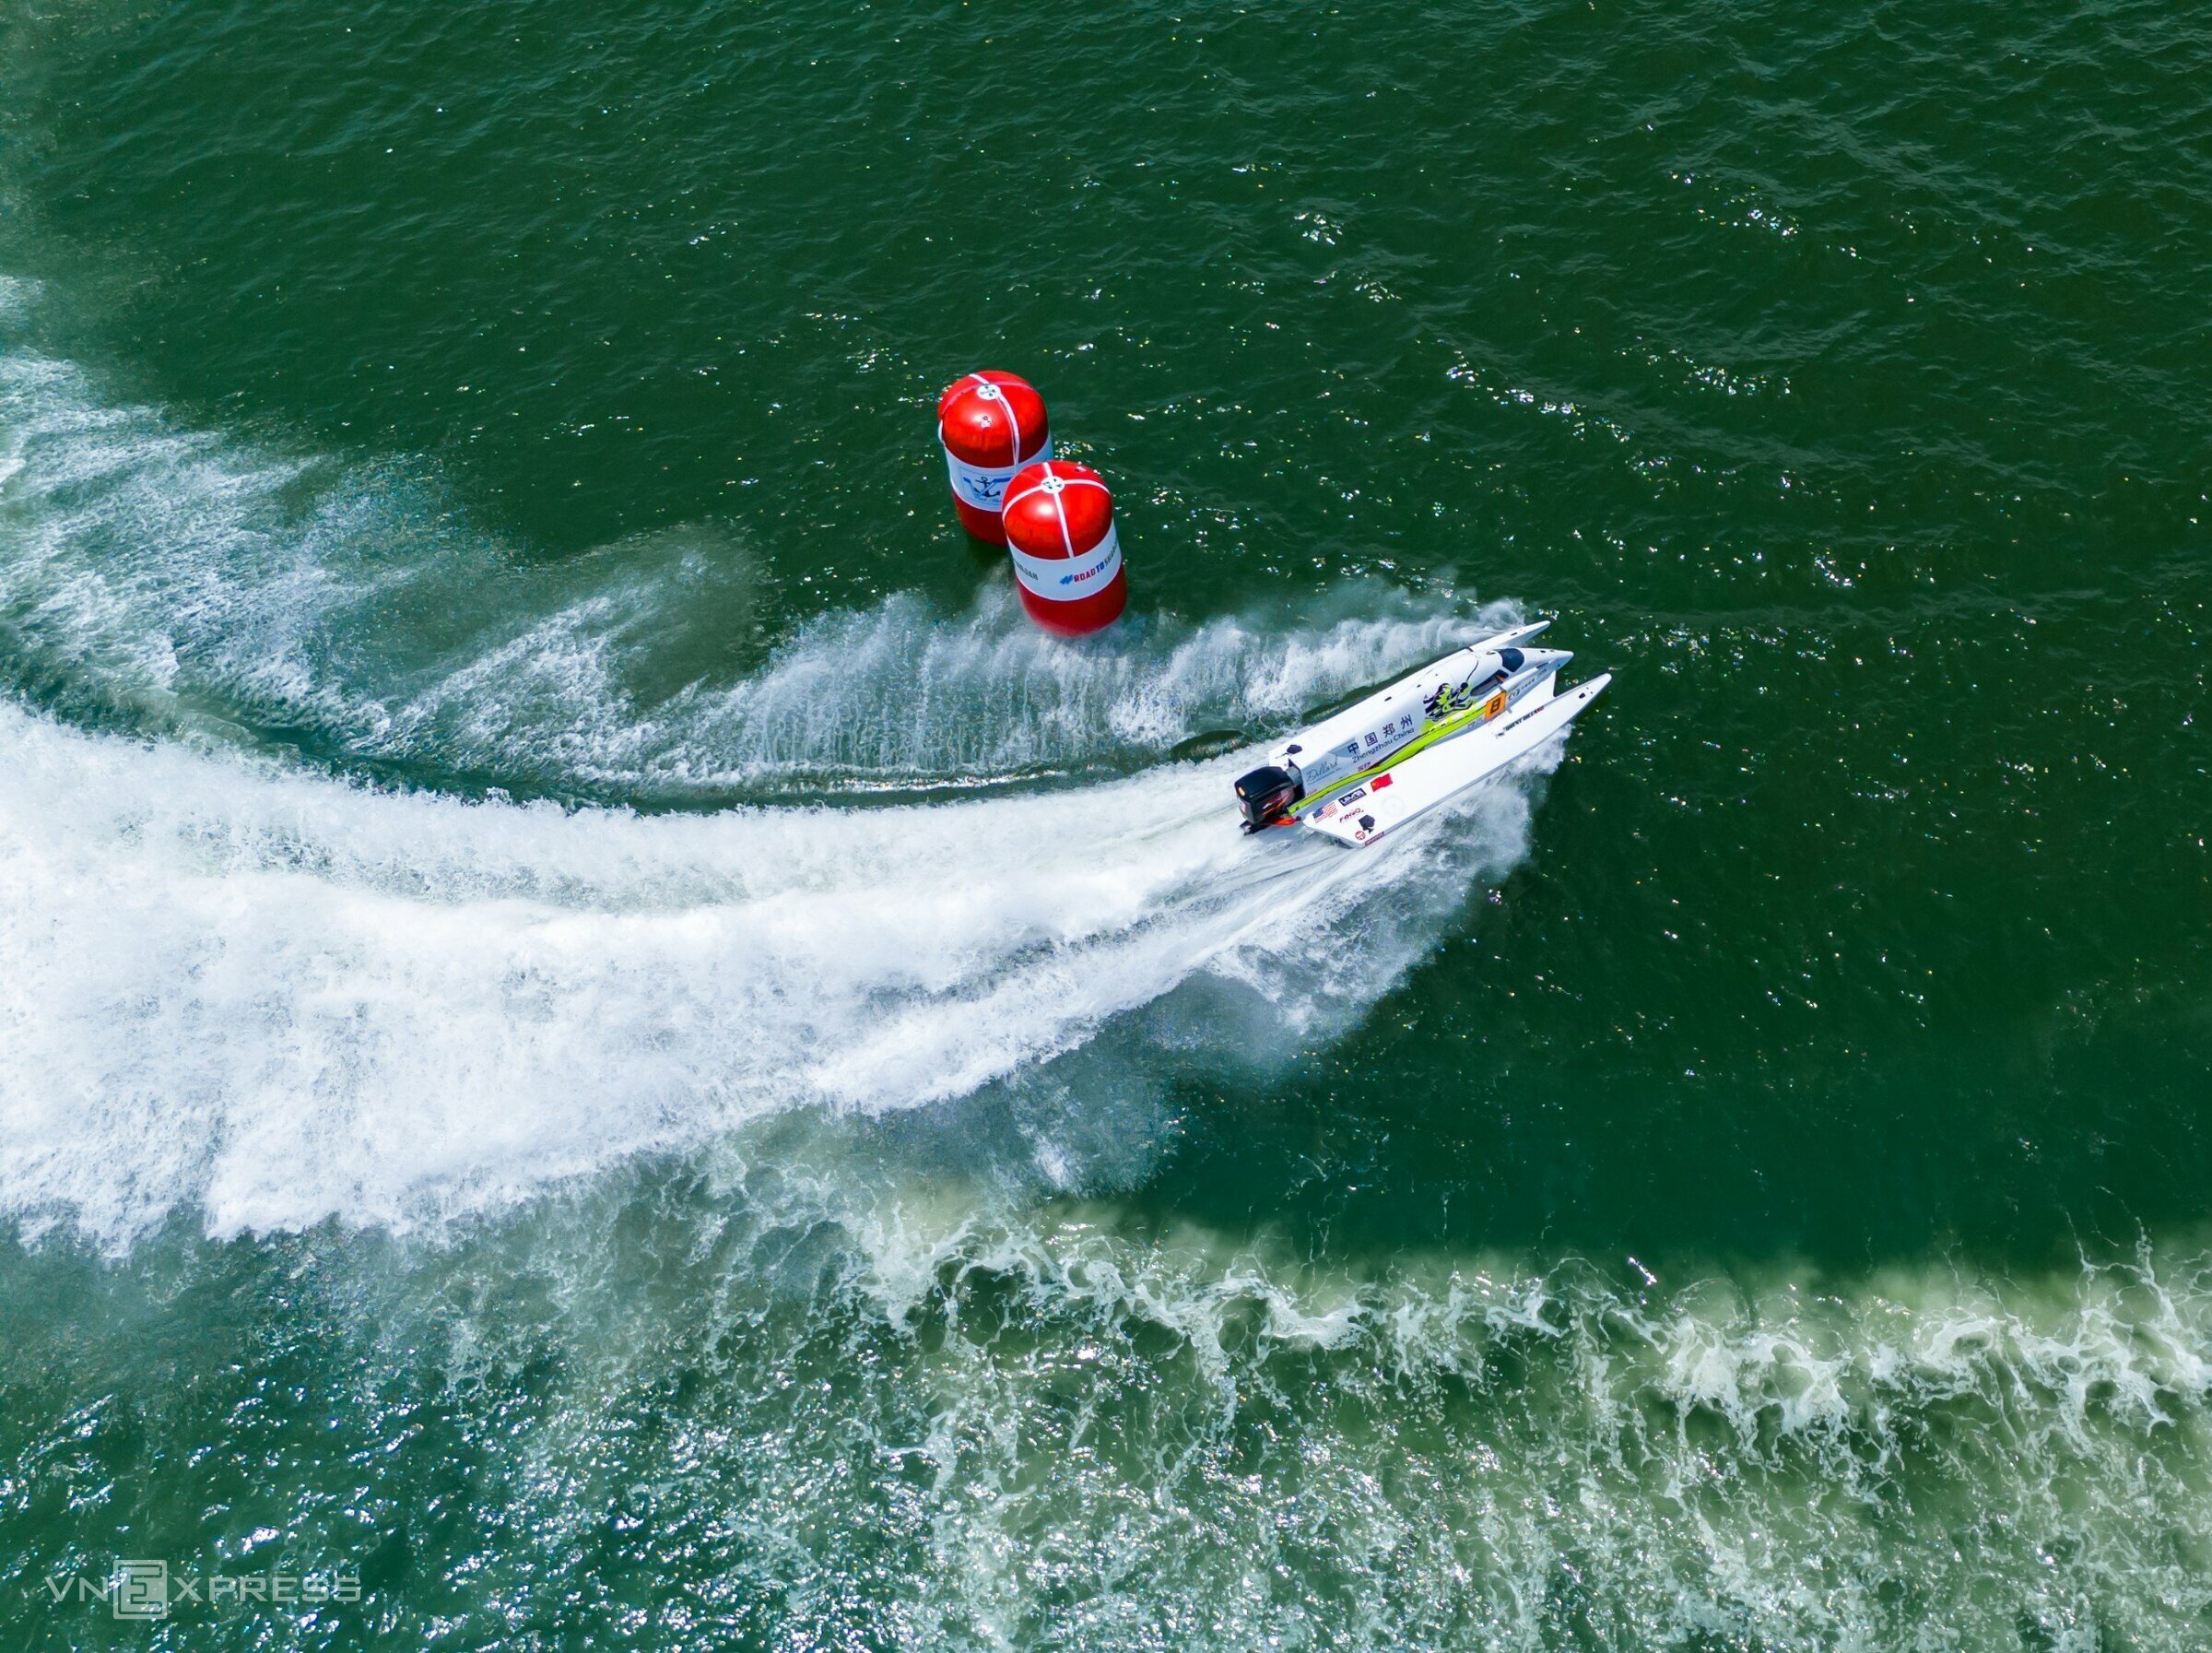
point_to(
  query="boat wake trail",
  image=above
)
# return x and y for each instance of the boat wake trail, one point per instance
(275, 995)
(281, 997)
(174, 581)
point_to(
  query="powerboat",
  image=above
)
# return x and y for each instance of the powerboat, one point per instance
(1365, 771)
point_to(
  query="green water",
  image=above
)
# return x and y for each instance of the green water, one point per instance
(596, 1038)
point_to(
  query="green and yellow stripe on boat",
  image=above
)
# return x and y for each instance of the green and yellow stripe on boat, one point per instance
(1442, 728)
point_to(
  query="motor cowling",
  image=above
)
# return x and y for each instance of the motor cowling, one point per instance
(1266, 795)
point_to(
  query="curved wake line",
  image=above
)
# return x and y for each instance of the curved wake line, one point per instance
(230, 985)
(279, 998)
(174, 579)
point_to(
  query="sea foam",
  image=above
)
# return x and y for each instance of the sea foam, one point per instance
(283, 996)
(177, 580)
(275, 995)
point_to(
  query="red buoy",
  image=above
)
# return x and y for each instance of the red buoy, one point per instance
(1068, 559)
(991, 425)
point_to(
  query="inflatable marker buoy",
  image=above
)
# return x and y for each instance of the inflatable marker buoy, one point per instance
(1068, 559)
(989, 425)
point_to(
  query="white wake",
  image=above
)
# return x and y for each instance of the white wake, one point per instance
(234, 986)
(281, 997)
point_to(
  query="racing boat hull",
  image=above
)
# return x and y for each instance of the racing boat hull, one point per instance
(1368, 770)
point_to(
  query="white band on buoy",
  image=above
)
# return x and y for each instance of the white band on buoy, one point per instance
(1062, 579)
(985, 485)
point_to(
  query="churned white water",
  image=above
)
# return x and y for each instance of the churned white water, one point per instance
(233, 984)
(283, 996)
(176, 577)
(1071, 1423)
(825, 1366)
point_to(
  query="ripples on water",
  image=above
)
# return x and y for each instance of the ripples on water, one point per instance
(985, 1205)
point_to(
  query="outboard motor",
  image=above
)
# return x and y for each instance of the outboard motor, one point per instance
(1266, 795)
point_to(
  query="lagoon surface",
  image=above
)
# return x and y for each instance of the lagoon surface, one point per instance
(601, 1046)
